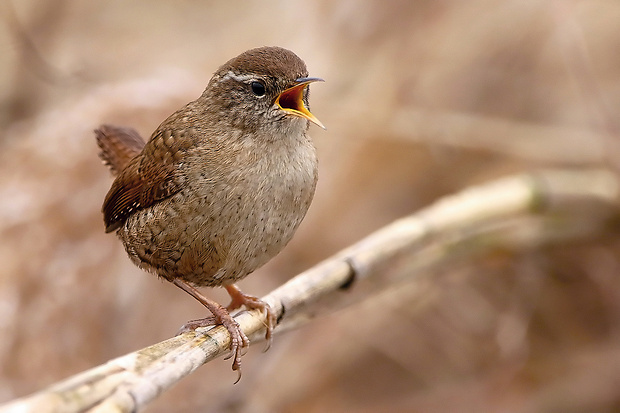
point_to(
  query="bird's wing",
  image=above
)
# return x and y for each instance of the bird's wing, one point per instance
(146, 179)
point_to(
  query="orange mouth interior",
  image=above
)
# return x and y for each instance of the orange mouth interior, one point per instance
(291, 101)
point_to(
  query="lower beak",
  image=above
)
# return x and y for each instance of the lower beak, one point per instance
(291, 100)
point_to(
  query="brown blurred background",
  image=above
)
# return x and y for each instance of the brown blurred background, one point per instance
(422, 99)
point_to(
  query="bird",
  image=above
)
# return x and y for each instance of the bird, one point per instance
(222, 184)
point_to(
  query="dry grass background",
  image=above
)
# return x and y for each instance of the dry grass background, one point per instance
(422, 98)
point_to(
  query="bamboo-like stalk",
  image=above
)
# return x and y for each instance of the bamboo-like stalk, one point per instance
(522, 211)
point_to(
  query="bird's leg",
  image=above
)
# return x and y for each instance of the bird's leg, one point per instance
(238, 339)
(238, 299)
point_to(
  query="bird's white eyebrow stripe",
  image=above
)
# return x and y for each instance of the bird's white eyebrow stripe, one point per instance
(239, 78)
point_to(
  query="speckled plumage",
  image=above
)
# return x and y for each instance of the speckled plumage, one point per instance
(228, 218)
(223, 183)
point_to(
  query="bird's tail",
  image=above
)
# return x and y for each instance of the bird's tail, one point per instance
(118, 146)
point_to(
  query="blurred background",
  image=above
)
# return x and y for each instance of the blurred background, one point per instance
(421, 99)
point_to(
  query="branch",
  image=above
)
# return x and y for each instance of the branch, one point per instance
(518, 212)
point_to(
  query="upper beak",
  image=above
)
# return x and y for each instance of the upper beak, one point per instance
(291, 100)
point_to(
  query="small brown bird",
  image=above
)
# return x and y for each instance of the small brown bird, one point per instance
(222, 184)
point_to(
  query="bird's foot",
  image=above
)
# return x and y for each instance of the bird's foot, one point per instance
(250, 302)
(238, 339)
(221, 316)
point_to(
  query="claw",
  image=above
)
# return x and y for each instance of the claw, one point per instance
(238, 299)
(194, 324)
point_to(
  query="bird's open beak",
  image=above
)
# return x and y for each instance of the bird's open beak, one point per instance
(291, 100)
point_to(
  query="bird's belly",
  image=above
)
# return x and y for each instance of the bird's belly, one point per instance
(213, 240)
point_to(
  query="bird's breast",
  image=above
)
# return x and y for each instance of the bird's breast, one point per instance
(237, 210)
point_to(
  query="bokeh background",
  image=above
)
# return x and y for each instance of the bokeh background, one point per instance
(422, 99)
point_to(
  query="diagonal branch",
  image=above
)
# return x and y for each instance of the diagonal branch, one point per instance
(518, 212)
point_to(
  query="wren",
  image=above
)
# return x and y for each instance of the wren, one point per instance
(222, 184)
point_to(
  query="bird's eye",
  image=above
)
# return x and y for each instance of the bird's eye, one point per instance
(258, 88)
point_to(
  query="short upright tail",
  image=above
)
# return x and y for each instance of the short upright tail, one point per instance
(118, 146)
